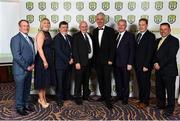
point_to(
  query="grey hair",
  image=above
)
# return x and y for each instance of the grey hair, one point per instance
(123, 20)
(100, 14)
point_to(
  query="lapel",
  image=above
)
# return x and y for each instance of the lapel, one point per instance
(103, 35)
(164, 43)
(123, 37)
(25, 41)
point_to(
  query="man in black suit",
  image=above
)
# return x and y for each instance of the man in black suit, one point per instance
(144, 61)
(166, 69)
(63, 62)
(124, 58)
(82, 53)
(104, 51)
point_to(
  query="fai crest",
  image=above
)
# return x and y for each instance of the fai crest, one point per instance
(29, 5)
(41, 17)
(131, 5)
(92, 19)
(30, 18)
(158, 5)
(92, 5)
(54, 18)
(172, 5)
(67, 18)
(106, 19)
(42, 5)
(117, 18)
(67, 6)
(105, 6)
(118, 6)
(145, 5)
(79, 18)
(171, 19)
(158, 19)
(79, 6)
(131, 19)
(145, 16)
(54, 5)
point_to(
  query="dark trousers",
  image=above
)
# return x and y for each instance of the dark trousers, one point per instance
(165, 82)
(122, 78)
(82, 78)
(63, 84)
(23, 86)
(104, 79)
(144, 85)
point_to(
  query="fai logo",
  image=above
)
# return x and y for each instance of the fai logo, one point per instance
(42, 5)
(29, 5)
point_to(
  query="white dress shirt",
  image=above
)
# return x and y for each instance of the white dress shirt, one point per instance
(90, 55)
(100, 33)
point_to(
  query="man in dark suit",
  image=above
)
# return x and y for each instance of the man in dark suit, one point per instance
(63, 62)
(166, 69)
(144, 61)
(82, 53)
(124, 58)
(104, 51)
(22, 48)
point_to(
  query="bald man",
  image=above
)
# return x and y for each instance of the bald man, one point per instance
(82, 53)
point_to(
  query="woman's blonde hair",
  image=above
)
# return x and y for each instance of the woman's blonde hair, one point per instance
(41, 22)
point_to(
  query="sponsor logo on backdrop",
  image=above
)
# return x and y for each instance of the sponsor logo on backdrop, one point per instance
(131, 6)
(171, 19)
(172, 5)
(79, 6)
(29, 5)
(67, 18)
(106, 19)
(67, 6)
(117, 18)
(54, 18)
(41, 17)
(145, 16)
(92, 19)
(42, 5)
(118, 6)
(54, 5)
(158, 19)
(145, 5)
(79, 18)
(158, 5)
(105, 6)
(30, 18)
(92, 6)
(131, 19)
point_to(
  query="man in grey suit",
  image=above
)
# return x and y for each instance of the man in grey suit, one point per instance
(22, 48)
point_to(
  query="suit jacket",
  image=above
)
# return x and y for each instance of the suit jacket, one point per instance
(63, 51)
(126, 50)
(23, 55)
(165, 56)
(80, 49)
(145, 51)
(105, 52)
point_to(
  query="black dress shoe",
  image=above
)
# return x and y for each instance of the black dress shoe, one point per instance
(158, 107)
(78, 101)
(59, 103)
(29, 108)
(116, 99)
(109, 105)
(124, 102)
(167, 114)
(21, 112)
(88, 99)
(100, 99)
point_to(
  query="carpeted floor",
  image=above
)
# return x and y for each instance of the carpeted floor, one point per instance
(71, 111)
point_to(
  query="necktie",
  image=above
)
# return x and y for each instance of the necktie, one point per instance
(118, 39)
(32, 47)
(87, 42)
(139, 38)
(67, 40)
(160, 43)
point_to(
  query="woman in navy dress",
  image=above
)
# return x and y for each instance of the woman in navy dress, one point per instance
(44, 67)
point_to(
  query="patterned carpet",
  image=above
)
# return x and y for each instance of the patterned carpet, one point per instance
(71, 111)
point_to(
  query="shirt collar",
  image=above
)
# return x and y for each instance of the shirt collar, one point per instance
(122, 33)
(142, 33)
(24, 35)
(102, 27)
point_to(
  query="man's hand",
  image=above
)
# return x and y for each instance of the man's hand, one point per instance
(30, 68)
(145, 69)
(109, 62)
(78, 66)
(129, 67)
(71, 61)
(156, 66)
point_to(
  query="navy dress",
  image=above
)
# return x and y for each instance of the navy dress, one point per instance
(45, 78)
